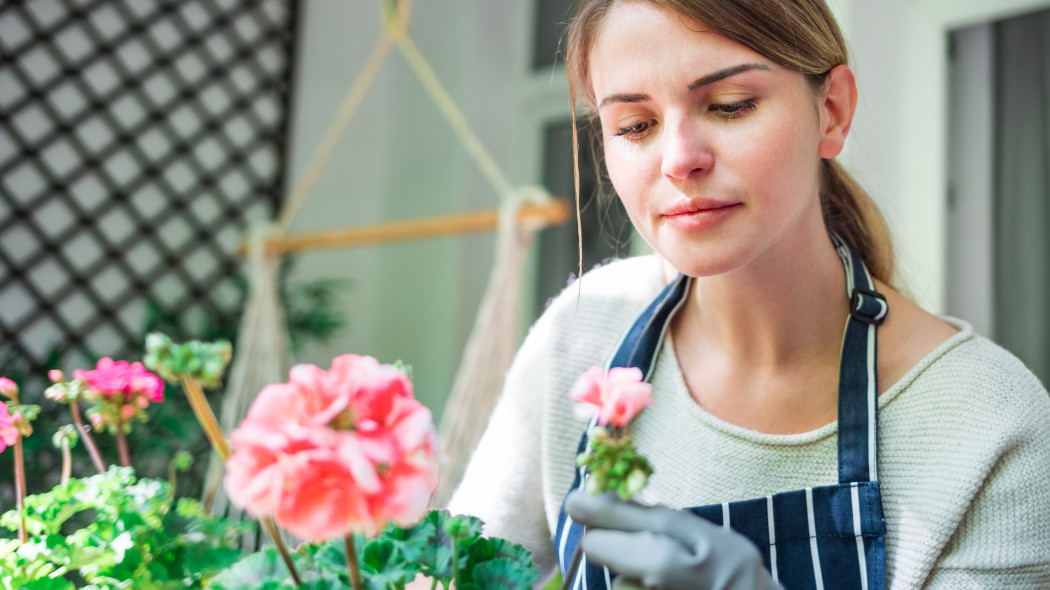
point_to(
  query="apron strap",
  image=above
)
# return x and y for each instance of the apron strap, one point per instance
(858, 380)
(640, 345)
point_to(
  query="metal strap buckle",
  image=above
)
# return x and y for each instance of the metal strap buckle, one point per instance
(868, 306)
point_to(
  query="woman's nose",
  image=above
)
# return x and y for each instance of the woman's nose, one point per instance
(686, 153)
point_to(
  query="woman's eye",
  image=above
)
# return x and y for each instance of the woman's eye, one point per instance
(635, 131)
(733, 110)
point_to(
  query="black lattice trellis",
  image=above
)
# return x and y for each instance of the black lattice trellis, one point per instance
(137, 138)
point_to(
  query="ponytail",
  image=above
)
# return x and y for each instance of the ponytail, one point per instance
(851, 214)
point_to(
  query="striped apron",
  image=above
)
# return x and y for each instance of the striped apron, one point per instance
(819, 537)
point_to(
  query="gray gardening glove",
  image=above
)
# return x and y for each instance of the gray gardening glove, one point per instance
(657, 547)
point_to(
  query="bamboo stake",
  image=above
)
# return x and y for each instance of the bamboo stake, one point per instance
(552, 213)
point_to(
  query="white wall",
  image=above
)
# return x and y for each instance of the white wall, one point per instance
(899, 149)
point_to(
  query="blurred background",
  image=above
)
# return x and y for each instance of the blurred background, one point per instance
(139, 138)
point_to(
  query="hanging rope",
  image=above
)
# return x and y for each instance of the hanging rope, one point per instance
(395, 23)
(490, 347)
(335, 131)
(454, 117)
(394, 15)
(263, 355)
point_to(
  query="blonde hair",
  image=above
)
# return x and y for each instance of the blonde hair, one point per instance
(800, 35)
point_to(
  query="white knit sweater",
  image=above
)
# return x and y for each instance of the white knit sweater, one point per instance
(964, 446)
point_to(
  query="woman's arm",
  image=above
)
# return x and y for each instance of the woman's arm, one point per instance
(502, 483)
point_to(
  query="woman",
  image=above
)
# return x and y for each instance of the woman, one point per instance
(810, 458)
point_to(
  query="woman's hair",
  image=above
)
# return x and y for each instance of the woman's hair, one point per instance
(800, 35)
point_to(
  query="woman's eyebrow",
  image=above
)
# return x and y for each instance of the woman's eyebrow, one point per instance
(623, 98)
(723, 74)
(704, 81)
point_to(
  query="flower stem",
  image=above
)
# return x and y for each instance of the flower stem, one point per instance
(85, 435)
(67, 462)
(206, 418)
(455, 562)
(122, 445)
(20, 489)
(570, 572)
(212, 430)
(271, 527)
(351, 560)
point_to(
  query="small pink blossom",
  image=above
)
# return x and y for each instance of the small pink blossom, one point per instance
(56, 376)
(98, 420)
(338, 451)
(8, 427)
(616, 397)
(112, 378)
(8, 388)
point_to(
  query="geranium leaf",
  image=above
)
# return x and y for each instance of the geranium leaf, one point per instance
(48, 584)
(253, 571)
(266, 570)
(382, 565)
(412, 543)
(504, 573)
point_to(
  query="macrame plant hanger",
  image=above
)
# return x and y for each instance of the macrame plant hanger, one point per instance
(263, 355)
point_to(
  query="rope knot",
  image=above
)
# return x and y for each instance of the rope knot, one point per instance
(394, 14)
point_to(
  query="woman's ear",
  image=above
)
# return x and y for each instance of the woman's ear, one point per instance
(838, 101)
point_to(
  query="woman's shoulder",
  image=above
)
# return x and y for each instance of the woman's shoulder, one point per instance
(978, 370)
(965, 408)
(971, 373)
(584, 322)
(615, 291)
(616, 279)
(963, 449)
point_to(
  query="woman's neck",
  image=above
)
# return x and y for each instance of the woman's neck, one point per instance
(787, 306)
(759, 346)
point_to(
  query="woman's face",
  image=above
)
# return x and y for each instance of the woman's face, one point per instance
(712, 147)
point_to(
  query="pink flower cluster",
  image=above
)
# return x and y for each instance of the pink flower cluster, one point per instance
(616, 397)
(334, 452)
(111, 379)
(8, 427)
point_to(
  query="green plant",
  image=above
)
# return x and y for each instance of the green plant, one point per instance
(441, 547)
(138, 536)
(114, 530)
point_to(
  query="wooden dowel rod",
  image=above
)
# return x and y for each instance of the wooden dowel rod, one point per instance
(553, 213)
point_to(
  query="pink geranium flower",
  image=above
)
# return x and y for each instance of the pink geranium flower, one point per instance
(119, 378)
(338, 451)
(8, 388)
(8, 429)
(313, 481)
(616, 397)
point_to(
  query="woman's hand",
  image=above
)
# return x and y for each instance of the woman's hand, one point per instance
(657, 547)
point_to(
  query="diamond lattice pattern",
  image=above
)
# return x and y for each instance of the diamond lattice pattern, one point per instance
(137, 139)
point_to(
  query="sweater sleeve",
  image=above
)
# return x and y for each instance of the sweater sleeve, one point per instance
(502, 482)
(1003, 540)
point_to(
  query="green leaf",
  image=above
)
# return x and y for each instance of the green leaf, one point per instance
(504, 573)
(426, 544)
(49, 584)
(253, 571)
(266, 570)
(330, 555)
(382, 565)
(417, 544)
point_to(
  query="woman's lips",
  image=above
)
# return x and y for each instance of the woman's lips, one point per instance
(696, 214)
